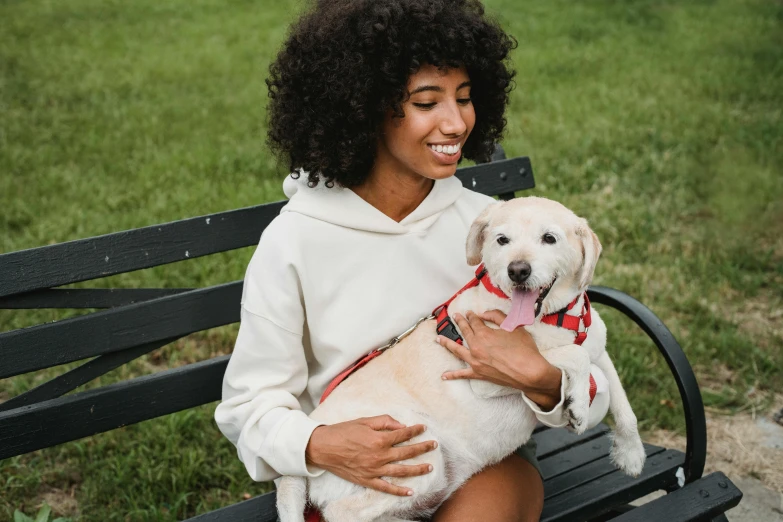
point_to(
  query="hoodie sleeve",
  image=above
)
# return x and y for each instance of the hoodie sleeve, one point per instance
(260, 412)
(558, 416)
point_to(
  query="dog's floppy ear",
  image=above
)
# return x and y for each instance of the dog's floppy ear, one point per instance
(591, 250)
(476, 235)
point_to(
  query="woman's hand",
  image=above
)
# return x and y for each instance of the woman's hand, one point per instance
(505, 358)
(364, 450)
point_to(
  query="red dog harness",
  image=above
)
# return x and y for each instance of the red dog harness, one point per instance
(448, 329)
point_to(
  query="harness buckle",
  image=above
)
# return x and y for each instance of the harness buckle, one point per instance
(448, 329)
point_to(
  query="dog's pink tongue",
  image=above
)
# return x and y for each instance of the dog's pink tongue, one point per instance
(523, 309)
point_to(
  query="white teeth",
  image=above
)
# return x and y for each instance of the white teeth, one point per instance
(446, 149)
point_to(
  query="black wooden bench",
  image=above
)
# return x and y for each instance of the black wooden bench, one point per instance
(580, 482)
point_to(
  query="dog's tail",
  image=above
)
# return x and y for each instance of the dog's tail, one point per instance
(291, 499)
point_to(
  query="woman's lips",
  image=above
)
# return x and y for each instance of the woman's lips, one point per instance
(446, 159)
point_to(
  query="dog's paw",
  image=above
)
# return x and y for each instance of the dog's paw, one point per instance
(577, 409)
(628, 454)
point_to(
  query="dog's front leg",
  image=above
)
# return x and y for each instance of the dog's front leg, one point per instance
(627, 449)
(574, 362)
(291, 499)
(488, 390)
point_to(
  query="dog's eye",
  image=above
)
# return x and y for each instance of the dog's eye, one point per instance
(549, 239)
(503, 240)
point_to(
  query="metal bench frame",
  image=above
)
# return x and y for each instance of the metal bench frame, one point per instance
(580, 482)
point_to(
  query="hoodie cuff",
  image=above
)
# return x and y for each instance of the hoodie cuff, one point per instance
(290, 443)
(600, 405)
(553, 418)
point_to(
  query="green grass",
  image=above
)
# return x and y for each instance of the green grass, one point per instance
(661, 122)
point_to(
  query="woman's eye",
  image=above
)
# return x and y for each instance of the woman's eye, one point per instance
(424, 105)
(549, 239)
(464, 101)
(503, 240)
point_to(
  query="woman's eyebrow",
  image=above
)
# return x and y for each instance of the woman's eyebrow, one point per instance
(435, 88)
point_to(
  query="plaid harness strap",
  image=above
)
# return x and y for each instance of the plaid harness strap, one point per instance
(448, 329)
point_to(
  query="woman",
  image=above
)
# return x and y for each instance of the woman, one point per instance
(373, 104)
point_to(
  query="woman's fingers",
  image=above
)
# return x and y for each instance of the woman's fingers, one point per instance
(475, 322)
(399, 470)
(383, 423)
(400, 453)
(495, 316)
(397, 436)
(457, 349)
(385, 487)
(466, 373)
(464, 327)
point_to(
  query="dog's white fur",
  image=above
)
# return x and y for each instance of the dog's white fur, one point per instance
(476, 423)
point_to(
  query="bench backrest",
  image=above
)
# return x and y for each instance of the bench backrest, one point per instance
(134, 322)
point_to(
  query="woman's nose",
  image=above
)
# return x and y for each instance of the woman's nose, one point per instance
(453, 122)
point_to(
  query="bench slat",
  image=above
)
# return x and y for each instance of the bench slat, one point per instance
(77, 298)
(703, 499)
(258, 509)
(499, 176)
(575, 456)
(88, 371)
(555, 440)
(118, 329)
(110, 254)
(72, 417)
(583, 474)
(602, 494)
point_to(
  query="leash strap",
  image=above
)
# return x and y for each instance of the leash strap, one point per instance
(369, 357)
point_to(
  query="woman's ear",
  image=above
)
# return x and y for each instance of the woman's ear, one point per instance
(591, 251)
(475, 240)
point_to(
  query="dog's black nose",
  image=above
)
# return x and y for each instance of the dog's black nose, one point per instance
(519, 271)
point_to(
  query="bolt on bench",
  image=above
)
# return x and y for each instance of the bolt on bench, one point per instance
(579, 480)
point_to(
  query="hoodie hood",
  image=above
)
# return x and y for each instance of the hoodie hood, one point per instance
(343, 207)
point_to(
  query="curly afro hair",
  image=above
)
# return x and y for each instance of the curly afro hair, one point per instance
(346, 63)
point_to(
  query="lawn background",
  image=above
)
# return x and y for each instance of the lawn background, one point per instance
(661, 122)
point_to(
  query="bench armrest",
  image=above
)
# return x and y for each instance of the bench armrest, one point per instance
(696, 426)
(703, 499)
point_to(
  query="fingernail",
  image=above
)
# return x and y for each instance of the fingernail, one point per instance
(434, 444)
(444, 377)
(429, 468)
(410, 492)
(437, 339)
(425, 428)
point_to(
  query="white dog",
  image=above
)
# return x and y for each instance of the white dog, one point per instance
(543, 256)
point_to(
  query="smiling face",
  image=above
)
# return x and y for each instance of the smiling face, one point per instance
(535, 249)
(439, 117)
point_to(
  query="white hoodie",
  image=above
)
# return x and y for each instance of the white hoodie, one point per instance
(332, 278)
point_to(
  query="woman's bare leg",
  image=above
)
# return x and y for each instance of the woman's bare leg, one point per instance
(510, 491)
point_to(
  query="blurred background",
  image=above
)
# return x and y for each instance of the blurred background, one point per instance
(659, 121)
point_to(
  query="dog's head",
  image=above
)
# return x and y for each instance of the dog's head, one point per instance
(535, 250)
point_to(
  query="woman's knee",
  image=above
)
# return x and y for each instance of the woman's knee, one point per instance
(510, 491)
